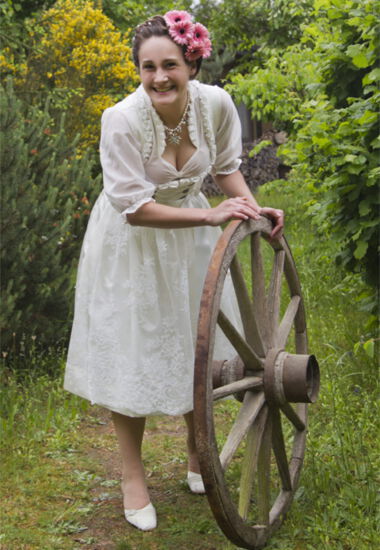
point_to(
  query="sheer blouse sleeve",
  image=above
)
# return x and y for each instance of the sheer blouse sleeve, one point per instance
(227, 137)
(123, 171)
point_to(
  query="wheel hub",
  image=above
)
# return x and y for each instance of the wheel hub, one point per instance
(290, 377)
(225, 372)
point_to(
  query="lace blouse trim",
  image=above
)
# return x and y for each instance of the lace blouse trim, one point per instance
(136, 205)
(147, 127)
(207, 125)
(191, 125)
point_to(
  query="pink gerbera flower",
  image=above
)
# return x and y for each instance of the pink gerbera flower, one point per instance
(198, 48)
(207, 47)
(193, 54)
(200, 32)
(181, 32)
(176, 16)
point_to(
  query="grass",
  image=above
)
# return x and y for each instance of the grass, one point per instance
(60, 467)
(41, 491)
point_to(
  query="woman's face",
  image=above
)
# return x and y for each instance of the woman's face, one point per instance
(164, 72)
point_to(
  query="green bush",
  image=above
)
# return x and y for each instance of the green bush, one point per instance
(45, 201)
(323, 92)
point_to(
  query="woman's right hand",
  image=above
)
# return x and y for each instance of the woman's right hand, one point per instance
(237, 208)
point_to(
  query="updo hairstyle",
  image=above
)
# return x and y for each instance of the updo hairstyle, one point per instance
(156, 26)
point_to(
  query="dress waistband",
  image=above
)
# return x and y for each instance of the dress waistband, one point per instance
(176, 191)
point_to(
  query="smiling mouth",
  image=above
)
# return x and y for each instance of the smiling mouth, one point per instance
(163, 90)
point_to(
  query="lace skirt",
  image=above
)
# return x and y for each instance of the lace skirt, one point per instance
(136, 310)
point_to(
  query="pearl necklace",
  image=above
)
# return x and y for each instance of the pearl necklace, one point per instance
(173, 135)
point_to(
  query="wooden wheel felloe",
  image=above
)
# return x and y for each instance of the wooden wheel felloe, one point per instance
(250, 438)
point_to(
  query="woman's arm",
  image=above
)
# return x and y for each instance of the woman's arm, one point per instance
(234, 185)
(153, 214)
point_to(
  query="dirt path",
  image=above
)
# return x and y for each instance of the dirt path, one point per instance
(184, 519)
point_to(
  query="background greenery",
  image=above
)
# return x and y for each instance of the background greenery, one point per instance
(46, 192)
(323, 91)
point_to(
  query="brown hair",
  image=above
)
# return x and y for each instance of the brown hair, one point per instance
(156, 26)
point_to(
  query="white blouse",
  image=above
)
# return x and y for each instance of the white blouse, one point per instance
(133, 142)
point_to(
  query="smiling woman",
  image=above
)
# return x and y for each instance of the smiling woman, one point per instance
(148, 243)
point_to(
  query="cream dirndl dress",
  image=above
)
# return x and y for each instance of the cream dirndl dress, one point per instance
(138, 289)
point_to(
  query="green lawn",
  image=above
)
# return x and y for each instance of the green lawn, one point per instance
(59, 456)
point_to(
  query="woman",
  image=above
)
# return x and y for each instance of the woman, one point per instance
(148, 243)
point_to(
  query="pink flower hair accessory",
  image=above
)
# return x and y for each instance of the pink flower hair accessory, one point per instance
(181, 32)
(197, 49)
(194, 36)
(200, 32)
(176, 16)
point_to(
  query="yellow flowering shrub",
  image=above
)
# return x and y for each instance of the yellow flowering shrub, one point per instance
(85, 60)
(9, 66)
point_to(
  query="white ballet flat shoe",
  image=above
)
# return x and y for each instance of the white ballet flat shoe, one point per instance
(144, 519)
(195, 482)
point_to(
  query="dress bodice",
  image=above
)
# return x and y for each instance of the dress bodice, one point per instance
(133, 142)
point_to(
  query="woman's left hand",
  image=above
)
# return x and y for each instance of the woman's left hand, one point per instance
(277, 217)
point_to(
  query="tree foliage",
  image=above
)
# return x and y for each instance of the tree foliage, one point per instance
(127, 14)
(46, 192)
(242, 29)
(239, 24)
(323, 91)
(24, 8)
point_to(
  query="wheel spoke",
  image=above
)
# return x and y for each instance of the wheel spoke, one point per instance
(291, 414)
(274, 297)
(249, 357)
(249, 467)
(251, 329)
(251, 407)
(278, 445)
(248, 383)
(287, 321)
(301, 342)
(263, 474)
(260, 308)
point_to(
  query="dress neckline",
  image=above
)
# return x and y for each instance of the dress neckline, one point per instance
(182, 169)
(152, 124)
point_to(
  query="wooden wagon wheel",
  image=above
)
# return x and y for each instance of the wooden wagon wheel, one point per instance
(250, 439)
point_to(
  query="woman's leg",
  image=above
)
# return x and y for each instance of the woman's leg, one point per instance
(193, 464)
(194, 478)
(130, 431)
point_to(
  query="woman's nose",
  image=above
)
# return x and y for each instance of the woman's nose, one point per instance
(161, 76)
